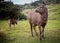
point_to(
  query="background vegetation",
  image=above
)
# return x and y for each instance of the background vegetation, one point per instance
(9, 10)
(21, 33)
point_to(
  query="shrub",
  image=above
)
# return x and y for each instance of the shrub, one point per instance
(22, 17)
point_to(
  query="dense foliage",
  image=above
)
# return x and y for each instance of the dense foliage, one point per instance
(9, 10)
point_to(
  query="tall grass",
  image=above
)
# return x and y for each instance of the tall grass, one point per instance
(21, 32)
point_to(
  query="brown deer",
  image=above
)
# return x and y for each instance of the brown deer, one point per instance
(12, 22)
(38, 18)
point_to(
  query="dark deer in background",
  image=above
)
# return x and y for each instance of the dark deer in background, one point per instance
(12, 21)
(38, 18)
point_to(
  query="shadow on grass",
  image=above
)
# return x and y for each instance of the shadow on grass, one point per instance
(4, 37)
(51, 40)
(52, 36)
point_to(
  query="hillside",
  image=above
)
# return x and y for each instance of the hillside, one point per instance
(54, 11)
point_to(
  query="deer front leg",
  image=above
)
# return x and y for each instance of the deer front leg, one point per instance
(41, 33)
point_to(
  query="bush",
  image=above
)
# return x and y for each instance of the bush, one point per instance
(22, 17)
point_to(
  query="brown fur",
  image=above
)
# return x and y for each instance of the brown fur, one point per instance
(38, 18)
(12, 22)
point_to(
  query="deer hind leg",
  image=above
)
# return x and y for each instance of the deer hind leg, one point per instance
(10, 26)
(31, 27)
(35, 30)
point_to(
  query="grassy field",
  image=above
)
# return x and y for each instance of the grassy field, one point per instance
(21, 32)
(54, 11)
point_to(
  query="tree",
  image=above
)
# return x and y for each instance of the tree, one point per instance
(1, 0)
(8, 10)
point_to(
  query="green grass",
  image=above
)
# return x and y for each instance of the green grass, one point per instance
(21, 33)
(54, 11)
